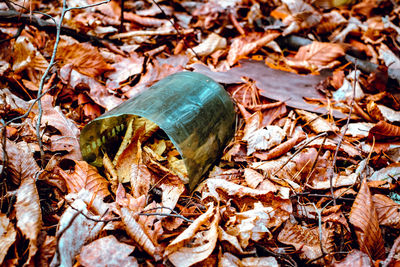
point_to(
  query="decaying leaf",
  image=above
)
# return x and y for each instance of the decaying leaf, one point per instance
(264, 138)
(355, 258)
(26, 55)
(73, 224)
(29, 215)
(84, 57)
(107, 251)
(68, 140)
(317, 56)
(194, 245)
(87, 177)
(387, 211)
(364, 218)
(211, 44)
(307, 240)
(384, 131)
(316, 123)
(242, 46)
(135, 231)
(390, 173)
(21, 163)
(7, 235)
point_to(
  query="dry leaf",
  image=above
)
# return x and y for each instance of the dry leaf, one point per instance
(208, 46)
(384, 131)
(29, 215)
(364, 218)
(316, 123)
(317, 56)
(355, 258)
(252, 177)
(124, 68)
(136, 232)
(87, 177)
(192, 245)
(84, 58)
(387, 210)
(76, 230)
(264, 139)
(68, 140)
(21, 163)
(7, 235)
(107, 251)
(305, 239)
(243, 46)
(390, 173)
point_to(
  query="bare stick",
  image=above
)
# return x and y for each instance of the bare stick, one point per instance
(331, 170)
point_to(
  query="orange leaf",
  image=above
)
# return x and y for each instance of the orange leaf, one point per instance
(384, 131)
(364, 218)
(85, 176)
(387, 211)
(84, 57)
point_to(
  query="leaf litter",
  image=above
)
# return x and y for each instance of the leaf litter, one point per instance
(311, 176)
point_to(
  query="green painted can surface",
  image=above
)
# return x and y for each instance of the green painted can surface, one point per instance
(193, 110)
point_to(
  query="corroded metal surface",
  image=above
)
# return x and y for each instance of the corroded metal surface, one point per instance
(194, 111)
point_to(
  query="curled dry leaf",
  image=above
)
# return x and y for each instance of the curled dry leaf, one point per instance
(316, 123)
(68, 140)
(229, 260)
(135, 231)
(12, 103)
(87, 177)
(253, 224)
(74, 230)
(7, 235)
(123, 69)
(21, 163)
(384, 131)
(355, 258)
(390, 173)
(107, 251)
(252, 177)
(264, 138)
(316, 56)
(29, 215)
(211, 44)
(193, 246)
(364, 218)
(281, 149)
(27, 56)
(244, 45)
(306, 239)
(387, 211)
(84, 58)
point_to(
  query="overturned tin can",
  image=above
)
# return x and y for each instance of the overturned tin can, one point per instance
(194, 111)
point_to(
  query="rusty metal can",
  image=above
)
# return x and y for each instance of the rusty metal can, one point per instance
(194, 111)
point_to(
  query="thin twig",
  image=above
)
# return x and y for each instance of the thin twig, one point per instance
(331, 170)
(51, 63)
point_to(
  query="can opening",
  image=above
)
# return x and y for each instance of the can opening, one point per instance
(158, 152)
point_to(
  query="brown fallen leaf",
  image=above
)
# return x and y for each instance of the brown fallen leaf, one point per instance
(355, 258)
(384, 131)
(306, 240)
(29, 214)
(194, 245)
(84, 57)
(87, 177)
(244, 45)
(21, 163)
(107, 251)
(68, 140)
(387, 211)
(364, 218)
(7, 235)
(316, 123)
(316, 56)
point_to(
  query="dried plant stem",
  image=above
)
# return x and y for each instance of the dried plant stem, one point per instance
(65, 9)
(331, 171)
